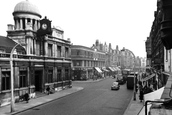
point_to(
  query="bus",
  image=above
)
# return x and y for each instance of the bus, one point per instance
(130, 80)
(125, 73)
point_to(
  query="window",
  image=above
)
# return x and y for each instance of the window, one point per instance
(59, 51)
(59, 75)
(37, 48)
(23, 78)
(78, 52)
(67, 74)
(77, 63)
(66, 52)
(50, 76)
(166, 55)
(85, 63)
(50, 50)
(6, 80)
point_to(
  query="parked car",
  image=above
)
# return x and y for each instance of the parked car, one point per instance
(115, 86)
(120, 80)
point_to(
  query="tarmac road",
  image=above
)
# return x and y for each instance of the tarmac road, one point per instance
(95, 99)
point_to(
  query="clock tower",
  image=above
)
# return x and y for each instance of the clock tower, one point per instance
(45, 27)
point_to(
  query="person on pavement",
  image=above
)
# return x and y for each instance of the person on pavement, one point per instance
(140, 91)
(48, 89)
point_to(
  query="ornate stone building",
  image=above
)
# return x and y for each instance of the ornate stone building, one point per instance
(41, 58)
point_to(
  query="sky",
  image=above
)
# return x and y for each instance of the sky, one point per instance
(126, 23)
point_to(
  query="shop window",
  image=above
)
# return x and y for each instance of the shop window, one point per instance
(6, 80)
(59, 75)
(50, 76)
(23, 78)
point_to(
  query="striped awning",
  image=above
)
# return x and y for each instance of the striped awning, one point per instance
(111, 69)
(148, 77)
(104, 69)
(98, 69)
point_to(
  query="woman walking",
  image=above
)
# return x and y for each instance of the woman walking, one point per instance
(141, 91)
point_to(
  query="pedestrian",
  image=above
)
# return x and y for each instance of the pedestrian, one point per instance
(48, 89)
(136, 87)
(141, 94)
(26, 96)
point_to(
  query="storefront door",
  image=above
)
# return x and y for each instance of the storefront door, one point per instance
(38, 80)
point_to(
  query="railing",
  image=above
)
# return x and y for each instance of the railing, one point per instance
(165, 103)
(23, 56)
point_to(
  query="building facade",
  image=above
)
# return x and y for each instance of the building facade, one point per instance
(41, 60)
(87, 63)
(157, 47)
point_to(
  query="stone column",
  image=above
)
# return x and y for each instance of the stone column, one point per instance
(21, 24)
(17, 24)
(31, 21)
(25, 23)
(36, 25)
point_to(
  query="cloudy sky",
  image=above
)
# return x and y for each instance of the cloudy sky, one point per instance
(126, 23)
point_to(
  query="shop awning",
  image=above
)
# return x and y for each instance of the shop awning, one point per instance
(149, 77)
(98, 69)
(104, 69)
(166, 73)
(114, 68)
(111, 69)
(117, 68)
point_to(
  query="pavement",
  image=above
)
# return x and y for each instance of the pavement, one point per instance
(23, 106)
(133, 109)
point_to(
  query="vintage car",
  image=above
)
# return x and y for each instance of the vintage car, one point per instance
(120, 80)
(115, 86)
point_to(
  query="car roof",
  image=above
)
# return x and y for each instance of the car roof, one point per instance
(115, 83)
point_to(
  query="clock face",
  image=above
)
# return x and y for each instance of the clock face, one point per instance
(44, 26)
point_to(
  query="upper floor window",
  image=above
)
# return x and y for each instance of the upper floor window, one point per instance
(50, 50)
(37, 48)
(66, 52)
(77, 52)
(59, 50)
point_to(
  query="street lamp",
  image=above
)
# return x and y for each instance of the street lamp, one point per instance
(134, 98)
(12, 77)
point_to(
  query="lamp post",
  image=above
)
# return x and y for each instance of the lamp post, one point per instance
(134, 98)
(12, 78)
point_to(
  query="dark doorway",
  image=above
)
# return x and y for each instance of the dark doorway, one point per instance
(38, 80)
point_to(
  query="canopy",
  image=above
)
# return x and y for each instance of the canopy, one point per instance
(114, 68)
(149, 77)
(98, 69)
(111, 69)
(104, 69)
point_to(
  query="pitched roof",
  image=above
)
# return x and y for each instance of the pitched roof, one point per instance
(5, 41)
(7, 44)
